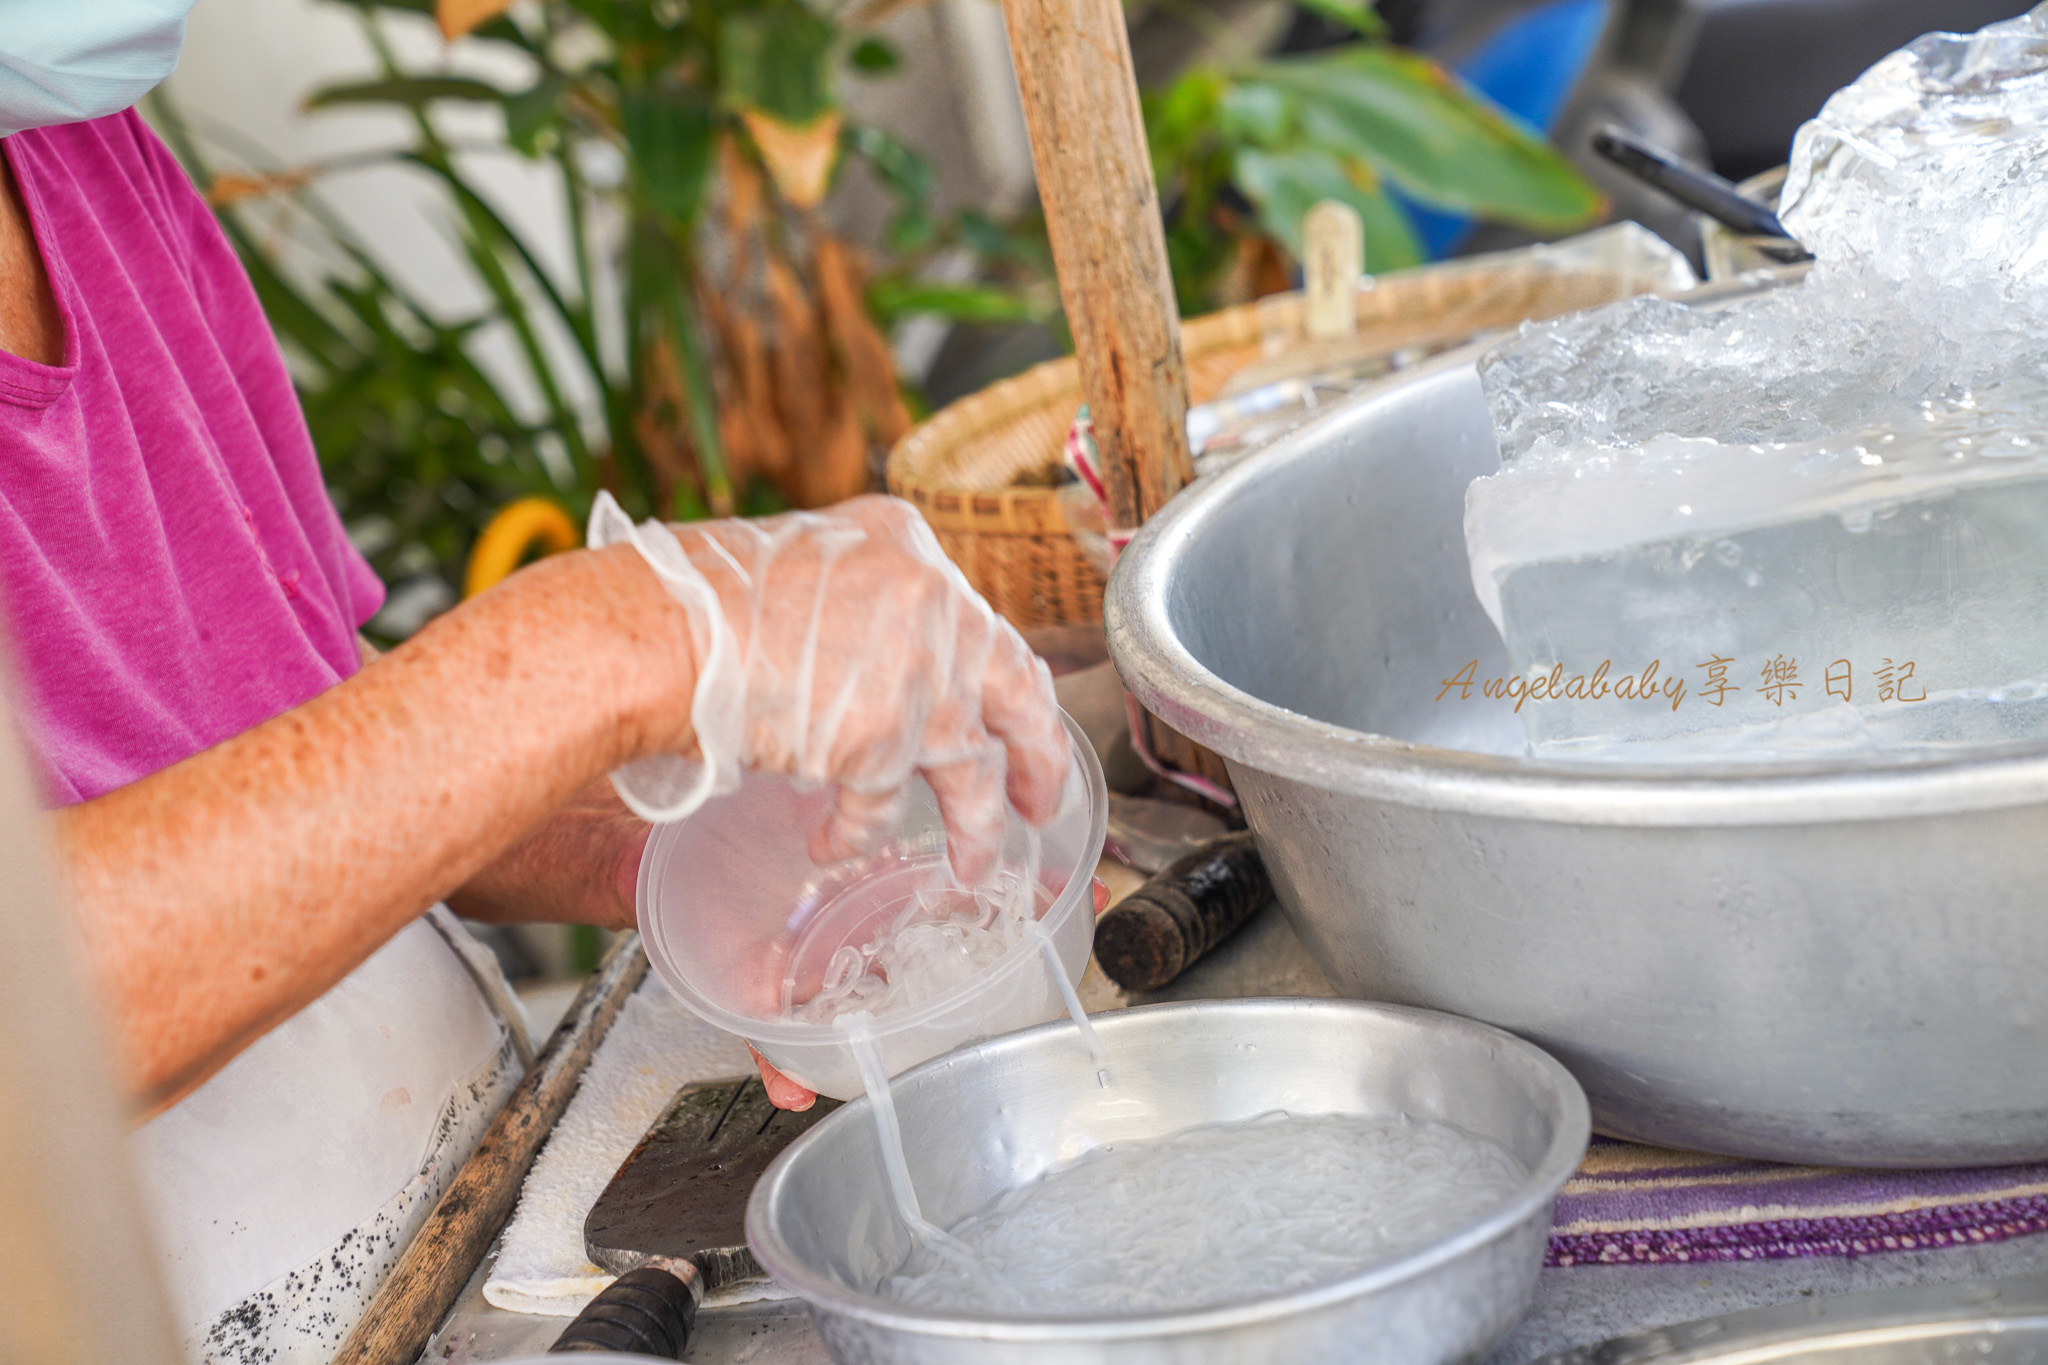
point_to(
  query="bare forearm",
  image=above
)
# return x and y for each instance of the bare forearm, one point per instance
(547, 874)
(577, 867)
(224, 893)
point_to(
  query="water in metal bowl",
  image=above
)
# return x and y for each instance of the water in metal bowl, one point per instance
(990, 1118)
(1832, 964)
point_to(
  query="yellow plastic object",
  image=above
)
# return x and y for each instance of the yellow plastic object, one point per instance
(518, 527)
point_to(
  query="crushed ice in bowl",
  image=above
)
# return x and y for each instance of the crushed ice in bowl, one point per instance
(1218, 1214)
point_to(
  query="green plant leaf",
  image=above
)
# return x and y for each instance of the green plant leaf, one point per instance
(906, 177)
(1181, 117)
(902, 172)
(1255, 112)
(493, 228)
(1357, 15)
(694, 370)
(1021, 244)
(686, 503)
(873, 57)
(777, 59)
(532, 117)
(1412, 122)
(669, 136)
(762, 499)
(408, 91)
(1286, 185)
(892, 300)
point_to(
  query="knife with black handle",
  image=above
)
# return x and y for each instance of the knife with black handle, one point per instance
(672, 1222)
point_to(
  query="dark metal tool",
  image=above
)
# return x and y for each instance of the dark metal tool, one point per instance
(671, 1224)
(1697, 189)
(1160, 930)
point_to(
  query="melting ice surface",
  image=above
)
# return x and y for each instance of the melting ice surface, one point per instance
(1213, 1215)
(1818, 486)
(900, 929)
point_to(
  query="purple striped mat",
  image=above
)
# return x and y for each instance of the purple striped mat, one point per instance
(1639, 1205)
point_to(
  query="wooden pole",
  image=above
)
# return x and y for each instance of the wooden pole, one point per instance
(440, 1260)
(1073, 60)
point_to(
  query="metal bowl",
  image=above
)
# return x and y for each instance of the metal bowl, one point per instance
(990, 1117)
(1820, 964)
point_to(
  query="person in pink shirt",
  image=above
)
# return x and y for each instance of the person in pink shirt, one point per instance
(256, 819)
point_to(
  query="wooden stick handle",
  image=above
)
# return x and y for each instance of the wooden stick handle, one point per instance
(1164, 927)
(434, 1269)
(1073, 60)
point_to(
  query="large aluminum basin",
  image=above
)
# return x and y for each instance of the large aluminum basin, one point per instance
(1843, 965)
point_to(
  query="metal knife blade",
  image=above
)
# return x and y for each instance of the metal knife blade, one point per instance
(682, 1194)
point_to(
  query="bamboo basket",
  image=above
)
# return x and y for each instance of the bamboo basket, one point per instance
(962, 467)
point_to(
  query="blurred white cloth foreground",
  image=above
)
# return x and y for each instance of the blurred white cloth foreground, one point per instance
(654, 1049)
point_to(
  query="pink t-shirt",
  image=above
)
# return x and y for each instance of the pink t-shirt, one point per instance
(172, 570)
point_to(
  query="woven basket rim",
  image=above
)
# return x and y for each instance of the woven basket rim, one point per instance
(915, 466)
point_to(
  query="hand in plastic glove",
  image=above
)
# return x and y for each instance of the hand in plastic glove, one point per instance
(785, 1093)
(843, 647)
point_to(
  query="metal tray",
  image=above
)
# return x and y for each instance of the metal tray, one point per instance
(1995, 1322)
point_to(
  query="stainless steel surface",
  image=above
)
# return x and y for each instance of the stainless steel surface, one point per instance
(987, 1118)
(1823, 965)
(1995, 1322)
(590, 1355)
(777, 1332)
(1573, 1305)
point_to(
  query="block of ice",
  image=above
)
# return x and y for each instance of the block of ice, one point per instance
(1929, 174)
(1786, 499)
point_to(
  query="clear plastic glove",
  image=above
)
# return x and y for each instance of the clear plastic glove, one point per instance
(843, 647)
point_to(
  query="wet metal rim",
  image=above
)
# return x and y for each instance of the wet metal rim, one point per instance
(1882, 1327)
(1170, 682)
(1539, 1191)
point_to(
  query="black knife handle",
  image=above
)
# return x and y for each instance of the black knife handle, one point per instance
(1158, 931)
(1701, 190)
(648, 1312)
(1690, 186)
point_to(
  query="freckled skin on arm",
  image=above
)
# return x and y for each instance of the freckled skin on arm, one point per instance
(219, 896)
(580, 866)
(554, 873)
(30, 326)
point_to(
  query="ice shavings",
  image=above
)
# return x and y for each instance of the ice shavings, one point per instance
(1213, 1215)
(896, 929)
(1794, 365)
(1846, 474)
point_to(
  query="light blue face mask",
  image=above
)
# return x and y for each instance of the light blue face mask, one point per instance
(63, 61)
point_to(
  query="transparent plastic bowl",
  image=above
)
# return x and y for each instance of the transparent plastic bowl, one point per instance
(730, 904)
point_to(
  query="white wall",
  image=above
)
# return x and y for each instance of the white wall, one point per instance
(246, 69)
(248, 64)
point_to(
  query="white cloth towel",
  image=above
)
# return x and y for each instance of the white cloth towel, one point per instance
(654, 1049)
